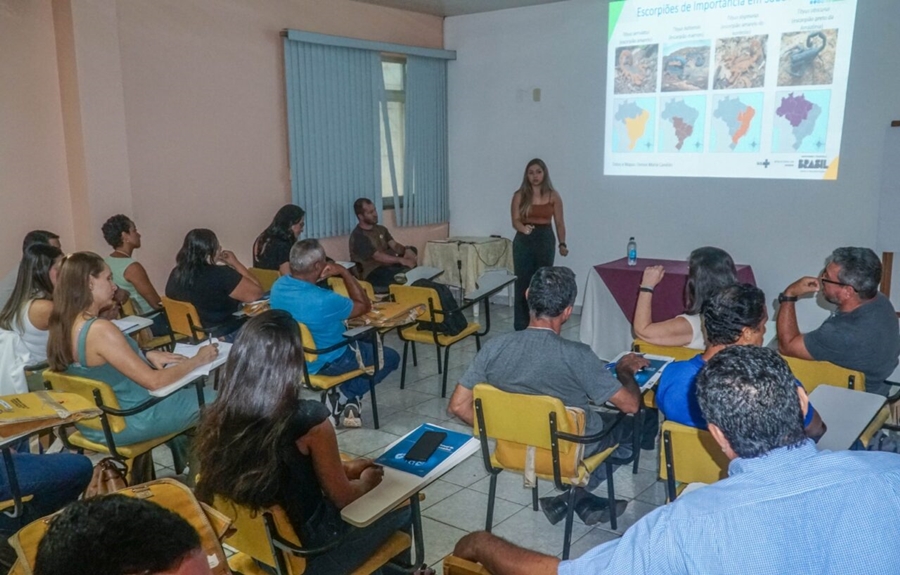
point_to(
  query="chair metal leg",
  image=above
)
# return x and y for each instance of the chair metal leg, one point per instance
(418, 539)
(670, 466)
(438, 348)
(570, 513)
(638, 437)
(374, 403)
(477, 342)
(611, 493)
(492, 494)
(403, 369)
(415, 358)
(446, 371)
(534, 496)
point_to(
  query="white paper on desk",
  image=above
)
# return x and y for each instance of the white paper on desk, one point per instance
(125, 324)
(188, 350)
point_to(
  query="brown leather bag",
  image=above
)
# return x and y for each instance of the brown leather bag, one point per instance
(109, 477)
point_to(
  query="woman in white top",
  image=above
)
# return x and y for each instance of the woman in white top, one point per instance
(28, 310)
(709, 270)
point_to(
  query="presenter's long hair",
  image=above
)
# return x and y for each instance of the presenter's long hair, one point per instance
(33, 282)
(526, 197)
(241, 434)
(709, 270)
(287, 217)
(199, 249)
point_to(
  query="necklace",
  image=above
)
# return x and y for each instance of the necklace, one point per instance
(121, 252)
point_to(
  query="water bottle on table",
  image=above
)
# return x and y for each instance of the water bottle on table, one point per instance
(632, 252)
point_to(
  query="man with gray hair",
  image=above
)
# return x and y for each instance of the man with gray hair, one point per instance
(324, 313)
(862, 332)
(538, 361)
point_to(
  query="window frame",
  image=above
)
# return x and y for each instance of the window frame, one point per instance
(387, 202)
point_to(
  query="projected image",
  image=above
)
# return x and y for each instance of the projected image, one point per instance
(740, 62)
(634, 129)
(681, 124)
(685, 67)
(807, 58)
(736, 123)
(801, 121)
(636, 69)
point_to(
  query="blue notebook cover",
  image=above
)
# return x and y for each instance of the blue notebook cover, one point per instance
(396, 456)
(644, 375)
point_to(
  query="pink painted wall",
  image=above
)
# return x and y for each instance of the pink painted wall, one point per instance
(183, 125)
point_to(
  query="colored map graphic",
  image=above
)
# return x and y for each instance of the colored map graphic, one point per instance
(736, 123)
(681, 124)
(801, 121)
(634, 127)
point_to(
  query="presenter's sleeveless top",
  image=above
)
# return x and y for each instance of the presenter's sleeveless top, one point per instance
(118, 266)
(176, 413)
(540, 215)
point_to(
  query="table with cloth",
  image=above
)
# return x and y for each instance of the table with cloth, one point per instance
(611, 292)
(475, 254)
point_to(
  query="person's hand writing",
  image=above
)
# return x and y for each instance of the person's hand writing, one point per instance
(160, 359)
(803, 286)
(372, 475)
(631, 364)
(653, 275)
(207, 353)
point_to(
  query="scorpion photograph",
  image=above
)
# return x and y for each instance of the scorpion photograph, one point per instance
(740, 62)
(685, 67)
(636, 69)
(807, 58)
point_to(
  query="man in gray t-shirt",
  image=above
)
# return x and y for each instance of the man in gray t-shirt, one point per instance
(863, 334)
(538, 361)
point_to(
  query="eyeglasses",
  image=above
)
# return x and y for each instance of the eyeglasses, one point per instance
(825, 280)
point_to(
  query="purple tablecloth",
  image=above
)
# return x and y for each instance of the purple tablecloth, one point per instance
(623, 282)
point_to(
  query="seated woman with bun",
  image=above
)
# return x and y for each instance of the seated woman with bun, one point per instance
(260, 445)
(272, 248)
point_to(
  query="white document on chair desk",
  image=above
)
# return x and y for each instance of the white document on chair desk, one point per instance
(190, 351)
(397, 486)
(132, 323)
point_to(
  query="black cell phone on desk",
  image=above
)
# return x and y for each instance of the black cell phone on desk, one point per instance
(426, 445)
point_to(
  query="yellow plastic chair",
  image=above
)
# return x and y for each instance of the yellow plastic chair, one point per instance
(185, 321)
(456, 566)
(145, 337)
(325, 382)
(520, 423)
(413, 295)
(699, 458)
(112, 419)
(337, 285)
(265, 277)
(269, 538)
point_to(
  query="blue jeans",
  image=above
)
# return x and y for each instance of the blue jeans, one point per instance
(359, 386)
(55, 480)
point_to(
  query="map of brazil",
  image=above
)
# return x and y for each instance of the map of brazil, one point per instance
(634, 125)
(736, 123)
(681, 124)
(801, 121)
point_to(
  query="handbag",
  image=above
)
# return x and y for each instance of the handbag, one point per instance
(108, 477)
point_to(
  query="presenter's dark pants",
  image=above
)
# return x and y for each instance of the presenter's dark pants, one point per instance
(530, 252)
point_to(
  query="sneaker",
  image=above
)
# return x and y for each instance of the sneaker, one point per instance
(350, 413)
(332, 401)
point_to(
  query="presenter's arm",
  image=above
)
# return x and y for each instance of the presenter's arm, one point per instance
(674, 332)
(560, 222)
(516, 218)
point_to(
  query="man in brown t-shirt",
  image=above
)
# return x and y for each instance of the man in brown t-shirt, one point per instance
(375, 250)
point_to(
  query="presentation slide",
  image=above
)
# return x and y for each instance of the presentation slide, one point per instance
(727, 88)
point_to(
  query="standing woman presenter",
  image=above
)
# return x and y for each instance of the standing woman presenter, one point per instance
(534, 205)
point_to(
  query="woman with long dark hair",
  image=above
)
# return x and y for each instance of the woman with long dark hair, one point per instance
(272, 248)
(709, 270)
(28, 310)
(215, 290)
(534, 206)
(260, 445)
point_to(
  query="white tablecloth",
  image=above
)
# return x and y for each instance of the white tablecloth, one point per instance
(603, 325)
(475, 254)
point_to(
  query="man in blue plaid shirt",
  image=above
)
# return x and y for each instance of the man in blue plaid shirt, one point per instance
(785, 507)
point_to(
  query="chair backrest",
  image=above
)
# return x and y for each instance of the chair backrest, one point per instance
(306, 339)
(251, 537)
(266, 277)
(85, 387)
(210, 524)
(182, 315)
(518, 421)
(679, 353)
(337, 285)
(812, 374)
(414, 295)
(456, 566)
(696, 455)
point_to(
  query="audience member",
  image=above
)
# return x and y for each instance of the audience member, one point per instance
(122, 235)
(736, 315)
(272, 248)
(8, 283)
(785, 507)
(324, 313)
(84, 345)
(378, 254)
(217, 291)
(538, 361)
(261, 445)
(120, 535)
(861, 334)
(709, 269)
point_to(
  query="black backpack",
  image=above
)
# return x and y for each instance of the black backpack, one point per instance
(454, 322)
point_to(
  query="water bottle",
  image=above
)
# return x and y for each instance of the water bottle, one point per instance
(632, 252)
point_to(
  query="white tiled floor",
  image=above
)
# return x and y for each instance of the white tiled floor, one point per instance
(456, 504)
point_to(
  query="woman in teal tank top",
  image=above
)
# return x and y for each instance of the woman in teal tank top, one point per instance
(82, 344)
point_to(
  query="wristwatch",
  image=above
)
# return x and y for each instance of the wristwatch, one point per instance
(786, 298)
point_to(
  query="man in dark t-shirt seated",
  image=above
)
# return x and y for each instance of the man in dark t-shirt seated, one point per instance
(379, 255)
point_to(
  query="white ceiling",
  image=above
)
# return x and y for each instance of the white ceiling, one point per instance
(455, 7)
